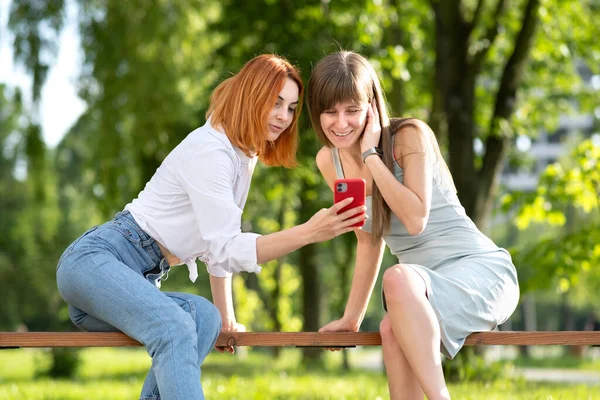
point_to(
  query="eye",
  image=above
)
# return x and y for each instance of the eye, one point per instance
(291, 110)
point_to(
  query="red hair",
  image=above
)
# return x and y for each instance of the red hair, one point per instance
(241, 105)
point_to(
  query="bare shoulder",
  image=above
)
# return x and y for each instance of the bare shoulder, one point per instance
(324, 159)
(325, 164)
(411, 137)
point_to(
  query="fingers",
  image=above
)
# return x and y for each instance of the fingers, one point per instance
(369, 115)
(234, 327)
(355, 220)
(374, 110)
(338, 206)
(352, 212)
(220, 349)
(223, 349)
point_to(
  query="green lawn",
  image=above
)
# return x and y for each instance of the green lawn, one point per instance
(567, 362)
(118, 374)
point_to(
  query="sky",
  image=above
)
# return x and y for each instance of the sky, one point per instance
(60, 106)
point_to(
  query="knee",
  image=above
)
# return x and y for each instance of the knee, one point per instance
(207, 316)
(395, 279)
(401, 281)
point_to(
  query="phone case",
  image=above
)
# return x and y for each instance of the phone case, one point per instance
(350, 187)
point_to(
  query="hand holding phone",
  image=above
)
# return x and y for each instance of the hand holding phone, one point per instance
(350, 187)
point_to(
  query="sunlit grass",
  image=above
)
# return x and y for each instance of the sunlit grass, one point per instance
(565, 361)
(119, 373)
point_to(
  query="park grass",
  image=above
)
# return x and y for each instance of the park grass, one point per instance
(560, 361)
(118, 374)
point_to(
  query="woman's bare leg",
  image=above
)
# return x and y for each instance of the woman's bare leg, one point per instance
(416, 328)
(402, 382)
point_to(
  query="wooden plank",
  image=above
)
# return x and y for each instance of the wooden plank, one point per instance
(301, 339)
(344, 339)
(308, 339)
(534, 338)
(65, 339)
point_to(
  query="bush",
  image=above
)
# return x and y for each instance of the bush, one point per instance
(59, 363)
(469, 366)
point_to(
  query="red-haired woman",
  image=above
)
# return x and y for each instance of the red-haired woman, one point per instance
(191, 209)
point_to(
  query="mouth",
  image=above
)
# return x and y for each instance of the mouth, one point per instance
(275, 128)
(341, 134)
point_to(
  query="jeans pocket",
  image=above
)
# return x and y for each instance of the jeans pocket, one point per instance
(124, 229)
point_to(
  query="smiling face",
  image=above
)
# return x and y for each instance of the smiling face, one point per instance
(282, 114)
(344, 123)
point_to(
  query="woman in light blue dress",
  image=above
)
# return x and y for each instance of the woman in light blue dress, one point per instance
(450, 280)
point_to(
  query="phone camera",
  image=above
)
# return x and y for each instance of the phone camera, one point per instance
(341, 187)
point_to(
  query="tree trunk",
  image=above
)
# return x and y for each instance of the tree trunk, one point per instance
(529, 319)
(454, 95)
(393, 36)
(349, 245)
(455, 92)
(500, 133)
(311, 299)
(311, 288)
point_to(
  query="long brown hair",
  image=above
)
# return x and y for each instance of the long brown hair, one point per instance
(241, 105)
(347, 76)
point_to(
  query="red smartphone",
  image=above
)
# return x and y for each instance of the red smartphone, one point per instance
(350, 187)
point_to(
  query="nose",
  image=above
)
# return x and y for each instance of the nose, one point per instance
(283, 115)
(341, 121)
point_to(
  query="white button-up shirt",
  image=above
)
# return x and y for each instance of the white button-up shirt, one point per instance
(194, 202)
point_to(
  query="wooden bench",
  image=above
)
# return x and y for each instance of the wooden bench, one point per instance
(299, 339)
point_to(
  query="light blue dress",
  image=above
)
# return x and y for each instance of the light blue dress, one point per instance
(471, 283)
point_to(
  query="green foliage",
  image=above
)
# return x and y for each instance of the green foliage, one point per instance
(567, 191)
(58, 363)
(35, 25)
(468, 367)
(28, 221)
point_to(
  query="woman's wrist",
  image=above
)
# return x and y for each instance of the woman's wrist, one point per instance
(353, 321)
(227, 322)
(302, 233)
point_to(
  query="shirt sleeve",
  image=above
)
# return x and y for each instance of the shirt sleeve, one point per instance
(208, 177)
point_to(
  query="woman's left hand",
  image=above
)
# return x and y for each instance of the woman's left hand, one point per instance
(340, 325)
(230, 326)
(372, 132)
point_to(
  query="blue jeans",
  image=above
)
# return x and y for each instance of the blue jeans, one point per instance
(110, 277)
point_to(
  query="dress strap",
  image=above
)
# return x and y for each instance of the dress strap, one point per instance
(339, 171)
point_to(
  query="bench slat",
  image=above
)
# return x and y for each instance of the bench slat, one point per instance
(303, 339)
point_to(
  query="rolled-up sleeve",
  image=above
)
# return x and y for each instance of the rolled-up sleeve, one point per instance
(208, 178)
